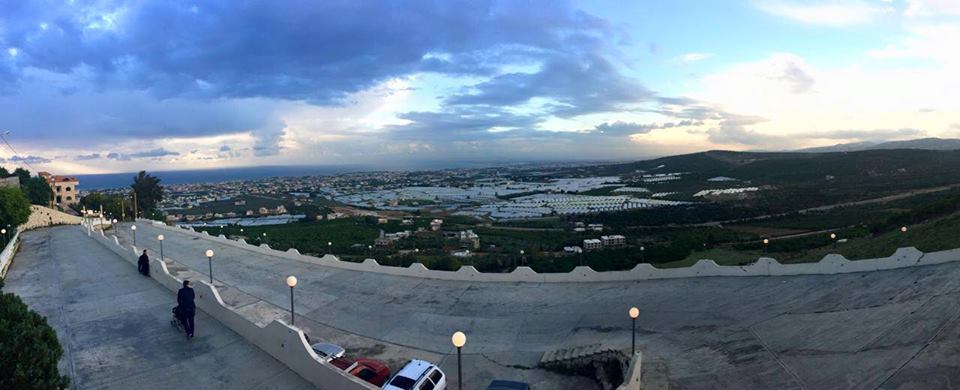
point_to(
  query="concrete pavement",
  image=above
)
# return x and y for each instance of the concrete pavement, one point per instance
(887, 329)
(114, 325)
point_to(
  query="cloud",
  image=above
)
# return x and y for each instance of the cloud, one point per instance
(628, 128)
(695, 57)
(87, 157)
(225, 148)
(794, 74)
(824, 12)
(732, 129)
(29, 159)
(576, 85)
(154, 153)
(314, 51)
(920, 8)
(268, 140)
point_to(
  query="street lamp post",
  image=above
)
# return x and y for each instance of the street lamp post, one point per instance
(291, 282)
(114, 227)
(521, 257)
(634, 313)
(4, 233)
(160, 238)
(134, 229)
(642, 250)
(766, 242)
(459, 340)
(833, 238)
(210, 263)
(329, 247)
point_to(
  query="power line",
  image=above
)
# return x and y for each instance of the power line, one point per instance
(15, 153)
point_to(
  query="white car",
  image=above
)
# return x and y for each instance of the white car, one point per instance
(327, 351)
(418, 375)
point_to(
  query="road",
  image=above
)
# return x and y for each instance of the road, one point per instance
(114, 325)
(890, 329)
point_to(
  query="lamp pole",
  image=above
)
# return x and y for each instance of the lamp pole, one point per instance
(4, 232)
(634, 313)
(459, 340)
(833, 238)
(766, 242)
(329, 247)
(210, 263)
(642, 250)
(521, 257)
(114, 227)
(291, 282)
(160, 238)
(134, 229)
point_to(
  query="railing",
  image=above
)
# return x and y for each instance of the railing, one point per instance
(764, 266)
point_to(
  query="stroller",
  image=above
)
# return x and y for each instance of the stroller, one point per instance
(175, 321)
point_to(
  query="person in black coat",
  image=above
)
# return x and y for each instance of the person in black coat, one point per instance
(143, 264)
(188, 309)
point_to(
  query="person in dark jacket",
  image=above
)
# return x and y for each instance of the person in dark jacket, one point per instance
(187, 308)
(143, 264)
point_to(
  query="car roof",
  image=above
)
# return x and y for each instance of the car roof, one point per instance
(415, 369)
(507, 385)
(327, 348)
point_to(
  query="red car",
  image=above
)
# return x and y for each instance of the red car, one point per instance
(370, 370)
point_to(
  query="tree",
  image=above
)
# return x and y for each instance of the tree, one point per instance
(148, 192)
(23, 174)
(30, 348)
(37, 190)
(14, 207)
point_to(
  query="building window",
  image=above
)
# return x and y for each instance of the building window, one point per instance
(58, 199)
(58, 188)
(68, 190)
(69, 198)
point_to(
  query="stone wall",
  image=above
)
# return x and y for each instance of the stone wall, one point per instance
(284, 342)
(764, 266)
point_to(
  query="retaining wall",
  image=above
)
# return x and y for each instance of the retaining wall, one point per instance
(6, 257)
(284, 342)
(764, 266)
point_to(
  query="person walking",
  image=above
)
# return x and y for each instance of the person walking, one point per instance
(187, 307)
(143, 264)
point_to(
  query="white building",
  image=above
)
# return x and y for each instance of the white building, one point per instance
(592, 244)
(613, 240)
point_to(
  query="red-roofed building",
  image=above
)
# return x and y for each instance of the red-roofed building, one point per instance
(65, 191)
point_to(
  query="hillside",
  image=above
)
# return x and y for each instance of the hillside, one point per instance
(922, 143)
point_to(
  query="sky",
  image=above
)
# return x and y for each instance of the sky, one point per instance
(117, 86)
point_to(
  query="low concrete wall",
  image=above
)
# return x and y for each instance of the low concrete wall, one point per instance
(6, 257)
(631, 378)
(284, 342)
(764, 266)
(43, 216)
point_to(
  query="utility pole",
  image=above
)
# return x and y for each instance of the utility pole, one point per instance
(136, 213)
(123, 210)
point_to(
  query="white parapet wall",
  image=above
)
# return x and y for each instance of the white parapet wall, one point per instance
(764, 266)
(631, 378)
(284, 342)
(6, 257)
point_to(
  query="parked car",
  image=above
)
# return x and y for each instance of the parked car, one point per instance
(328, 351)
(418, 375)
(372, 371)
(507, 385)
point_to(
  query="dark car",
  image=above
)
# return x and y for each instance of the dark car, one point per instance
(507, 385)
(369, 370)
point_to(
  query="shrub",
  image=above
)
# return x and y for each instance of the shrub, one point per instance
(30, 349)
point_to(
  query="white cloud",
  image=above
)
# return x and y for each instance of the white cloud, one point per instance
(932, 8)
(694, 57)
(926, 41)
(830, 12)
(849, 97)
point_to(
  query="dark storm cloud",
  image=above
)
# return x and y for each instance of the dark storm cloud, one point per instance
(303, 50)
(461, 124)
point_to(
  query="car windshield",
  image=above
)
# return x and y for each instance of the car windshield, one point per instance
(366, 374)
(402, 382)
